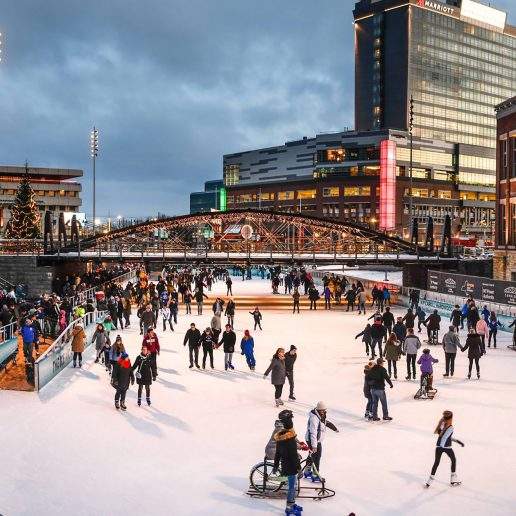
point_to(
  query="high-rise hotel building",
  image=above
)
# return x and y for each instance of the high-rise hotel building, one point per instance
(457, 59)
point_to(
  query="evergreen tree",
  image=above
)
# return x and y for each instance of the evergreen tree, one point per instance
(25, 218)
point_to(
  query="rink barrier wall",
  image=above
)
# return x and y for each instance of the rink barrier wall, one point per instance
(429, 301)
(60, 354)
(8, 341)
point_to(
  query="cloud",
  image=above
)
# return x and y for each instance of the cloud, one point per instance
(171, 85)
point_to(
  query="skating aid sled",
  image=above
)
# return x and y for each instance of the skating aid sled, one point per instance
(429, 395)
(264, 485)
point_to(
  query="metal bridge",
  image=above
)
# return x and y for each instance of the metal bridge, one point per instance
(247, 235)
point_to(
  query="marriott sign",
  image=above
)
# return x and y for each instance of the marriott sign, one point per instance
(436, 6)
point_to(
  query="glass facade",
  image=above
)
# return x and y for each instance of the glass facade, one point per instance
(457, 72)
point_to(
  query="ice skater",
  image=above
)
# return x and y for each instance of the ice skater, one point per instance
(257, 316)
(444, 430)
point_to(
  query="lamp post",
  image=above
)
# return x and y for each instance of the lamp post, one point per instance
(94, 147)
(411, 127)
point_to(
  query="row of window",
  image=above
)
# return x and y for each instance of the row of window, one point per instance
(42, 193)
(477, 162)
(507, 147)
(454, 103)
(471, 178)
(428, 157)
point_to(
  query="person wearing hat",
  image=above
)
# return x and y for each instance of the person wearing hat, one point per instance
(228, 340)
(247, 347)
(290, 359)
(445, 439)
(121, 378)
(78, 339)
(315, 432)
(108, 324)
(376, 379)
(193, 338)
(286, 454)
(115, 351)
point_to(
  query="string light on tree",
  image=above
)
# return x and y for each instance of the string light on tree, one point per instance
(25, 218)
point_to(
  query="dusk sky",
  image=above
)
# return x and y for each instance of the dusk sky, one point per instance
(171, 85)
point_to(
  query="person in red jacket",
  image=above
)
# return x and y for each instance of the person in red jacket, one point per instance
(152, 343)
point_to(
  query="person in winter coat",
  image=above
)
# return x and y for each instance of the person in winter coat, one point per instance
(116, 352)
(277, 367)
(388, 320)
(483, 330)
(208, 343)
(455, 317)
(166, 317)
(378, 333)
(350, 297)
(409, 319)
(313, 296)
(473, 317)
(99, 338)
(432, 324)
(366, 338)
(475, 351)
(247, 347)
(327, 298)
(361, 301)
(193, 338)
(106, 350)
(108, 324)
(392, 353)
(230, 312)
(187, 298)
(421, 316)
(286, 454)
(142, 369)
(147, 320)
(228, 341)
(376, 379)
(450, 344)
(151, 341)
(409, 348)
(216, 326)
(174, 309)
(229, 285)
(367, 392)
(78, 339)
(296, 295)
(400, 330)
(121, 378)
(257, 316)
(386, 296)
(126, 311)
(199, 296)
(444, 430)
(28, 334)
(290, 359)
(493, 328)
(426, 361)
(315, 433)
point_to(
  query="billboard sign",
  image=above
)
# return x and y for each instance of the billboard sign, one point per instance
(483, 13)
(485, 289)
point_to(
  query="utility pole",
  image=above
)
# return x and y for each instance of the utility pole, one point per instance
(94, 152)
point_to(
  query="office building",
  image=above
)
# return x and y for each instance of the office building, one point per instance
(55, 188)
(213, 197)
(504, 261)
(455, 58)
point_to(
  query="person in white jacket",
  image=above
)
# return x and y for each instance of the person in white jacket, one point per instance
(167, 317)
(315, 432)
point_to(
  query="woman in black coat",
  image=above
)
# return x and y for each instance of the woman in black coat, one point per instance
(475, 351)
(121, 378)
(143, 374)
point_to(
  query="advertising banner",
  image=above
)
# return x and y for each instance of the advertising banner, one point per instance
(485, 289)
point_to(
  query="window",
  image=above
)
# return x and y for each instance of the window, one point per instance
(306, 194)
(357, 190)
(416, 192)
(231, 175)
(41, 193)
(10, 192)
(62, 193)
(230, 199)
(71, 194)
(285, 196)
(351, 191)
(331, 191)
(244, 198)
(371, 170)
(444, 194)
(267, 196)
(51, 193)
(336, 155)
(468, 196)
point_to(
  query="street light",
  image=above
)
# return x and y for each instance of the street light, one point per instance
(94, 147)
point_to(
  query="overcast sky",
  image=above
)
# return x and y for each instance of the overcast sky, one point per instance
(171, 85)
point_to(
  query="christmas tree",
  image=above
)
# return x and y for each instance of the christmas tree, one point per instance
(25, 218)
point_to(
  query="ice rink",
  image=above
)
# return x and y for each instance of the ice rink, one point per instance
(67, 451)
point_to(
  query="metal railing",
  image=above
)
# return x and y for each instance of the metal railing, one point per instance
(8, 343)
(59, 353)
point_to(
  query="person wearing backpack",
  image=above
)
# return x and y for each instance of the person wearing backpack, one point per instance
(142, 369)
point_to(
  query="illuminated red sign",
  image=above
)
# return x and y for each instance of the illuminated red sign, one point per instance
(387, 184)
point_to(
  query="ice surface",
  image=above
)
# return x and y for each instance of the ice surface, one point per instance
(67, 451)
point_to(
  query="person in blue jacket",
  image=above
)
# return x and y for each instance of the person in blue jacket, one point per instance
(28, 337)
(247, 346)
(493, 324)
(421, 316)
